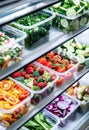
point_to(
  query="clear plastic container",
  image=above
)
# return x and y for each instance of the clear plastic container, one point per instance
(17, 35)
(11, 52)
(9, 114)
(70, 114)
(76, 49)
(68, 74)
(80, 94)
(70, 24)
(49, 117)
(38, 30)
(43, 92)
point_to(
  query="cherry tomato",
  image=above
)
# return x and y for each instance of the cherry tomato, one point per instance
(49, 64)
(61, 70)
(42, 60)
(51, 54)
(60, 81)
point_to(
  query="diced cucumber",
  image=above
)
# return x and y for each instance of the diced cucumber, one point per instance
(86, 54)
(87, 49)
(57, 5)
(59, 50)
(83, 21)
(64, 23)
(70, 48)
(78, 45)
(71, 55)
(73, 44)
(76, 2)
(80, 58)
(79, 52)
(86, 97)
(70, 12)
(74, 24)
(66, 44)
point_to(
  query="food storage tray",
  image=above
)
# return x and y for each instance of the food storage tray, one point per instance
(84, 105)
(71, 114)
(50, 118)
(40, 94)
(77, 50)
(6, 114)
(70, 24)
(38, 30)
(18, 36)
(68, 74)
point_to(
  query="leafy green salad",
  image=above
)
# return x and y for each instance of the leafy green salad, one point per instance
(32, 19)
(37, 32)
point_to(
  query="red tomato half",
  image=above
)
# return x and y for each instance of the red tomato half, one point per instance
(42, 60)
(60, 81)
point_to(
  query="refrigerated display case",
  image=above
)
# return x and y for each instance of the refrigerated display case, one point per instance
(54, 39)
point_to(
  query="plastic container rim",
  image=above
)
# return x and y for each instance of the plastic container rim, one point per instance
(39, 23)
(22, 34)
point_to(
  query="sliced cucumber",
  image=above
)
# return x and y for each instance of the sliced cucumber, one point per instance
(70, 12)
(64, 23)
(76, 2)
(83, 21)
(74, 24)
